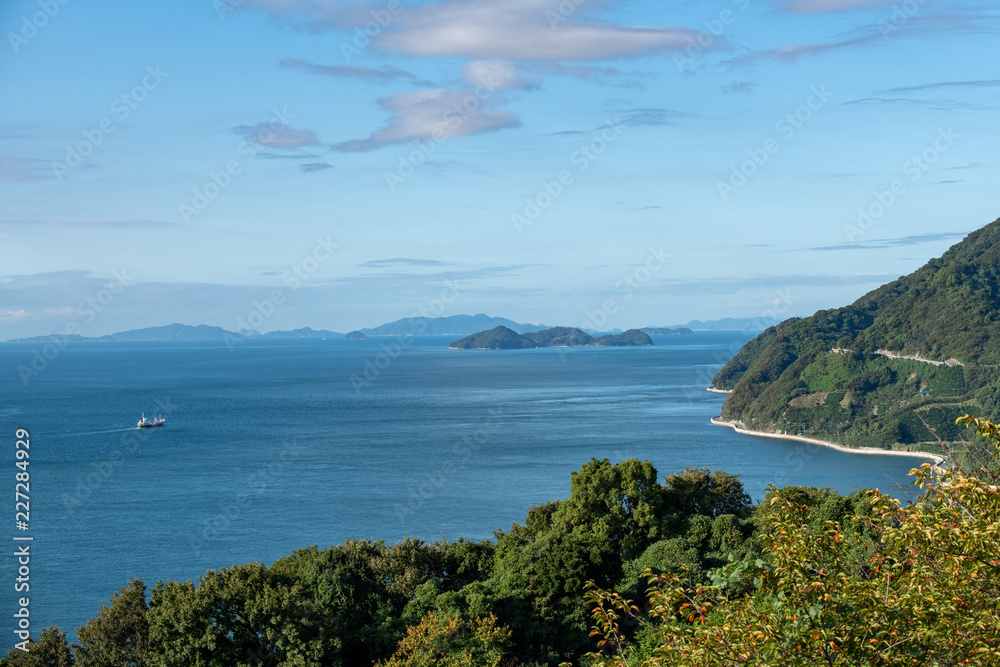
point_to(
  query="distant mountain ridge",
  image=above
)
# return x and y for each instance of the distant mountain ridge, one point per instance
(454, 325)
(844, 373)
(733, 324)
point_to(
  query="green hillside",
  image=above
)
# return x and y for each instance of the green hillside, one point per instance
(560, 337)
(839, 373)
(632, 337)
(500, 338)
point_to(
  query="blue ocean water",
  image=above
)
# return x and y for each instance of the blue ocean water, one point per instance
(277, 445)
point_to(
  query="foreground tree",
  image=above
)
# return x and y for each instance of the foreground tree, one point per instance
(929, 593)
(119, 635)
(451, 641)
(51, 650)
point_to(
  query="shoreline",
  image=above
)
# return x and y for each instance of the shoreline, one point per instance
(719, 391)
(935, 458)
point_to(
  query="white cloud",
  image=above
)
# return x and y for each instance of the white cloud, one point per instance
(522, 30)
(513, 30)
(495, 75)
(433, 115)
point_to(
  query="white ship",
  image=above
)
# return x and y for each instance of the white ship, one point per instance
(150, 423)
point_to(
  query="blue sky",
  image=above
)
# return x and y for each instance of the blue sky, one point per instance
(339, 164)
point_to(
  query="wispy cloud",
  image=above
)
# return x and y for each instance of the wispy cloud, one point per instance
(99, 224)
(960, 20)
(899, 242)
(312, 167)
(20, 169)
(521, 30)
(793, 52)
(935, 104)
(650, 116)
(739, 87)
(987, 83)
(403, 261)
(734, 284)
(433, 115)
(832, 6)
(382, 74)
(270, 135)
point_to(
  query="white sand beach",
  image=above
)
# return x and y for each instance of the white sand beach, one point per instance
(936, 459)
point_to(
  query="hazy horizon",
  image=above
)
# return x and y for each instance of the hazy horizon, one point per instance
(339, 165)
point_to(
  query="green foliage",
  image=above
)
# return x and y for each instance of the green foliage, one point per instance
(861, 580)
(119, 635)
(452, 641)
(500, 338)
(702, 492)
(628, 338)
(947, 309)
(51, 650)
(560, 337)
(618, 504)
(246, 614)
(516, 601)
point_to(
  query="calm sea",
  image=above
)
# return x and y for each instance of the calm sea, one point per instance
(272, 446)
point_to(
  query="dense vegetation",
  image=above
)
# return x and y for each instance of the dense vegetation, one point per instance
(884, 584)
(515, 600)
(499, 338)
(806, 577)
(628, 338)
(560, 337)
(502, 338)
(829, 374)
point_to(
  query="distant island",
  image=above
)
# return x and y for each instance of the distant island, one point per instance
(355, 335)
(502, 338)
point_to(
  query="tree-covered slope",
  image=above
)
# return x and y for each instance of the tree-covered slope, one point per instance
(632, 337)
(500, 338)
(503, 338)
(560, 337)
(830, 374)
